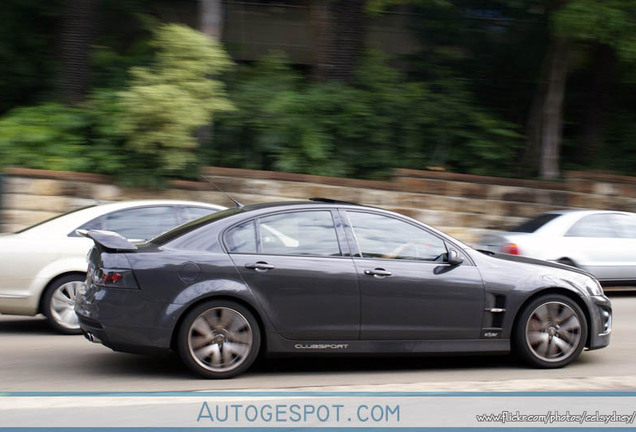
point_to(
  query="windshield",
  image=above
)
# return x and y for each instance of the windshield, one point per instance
(191, 226)
(53, 218)
(534, 224)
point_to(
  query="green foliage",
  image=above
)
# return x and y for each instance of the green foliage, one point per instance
(362, 130)
(620, 153)
(27, 134)
(608, 22)
(27, 69)
(141, 134)
(269, 130)
(57, 137)
(459, 103)
(168, 101)
(121, 47)
(377, 6)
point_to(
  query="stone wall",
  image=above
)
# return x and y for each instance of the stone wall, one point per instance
(30, 196)
(462, 205)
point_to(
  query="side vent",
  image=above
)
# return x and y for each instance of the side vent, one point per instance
(494, 314)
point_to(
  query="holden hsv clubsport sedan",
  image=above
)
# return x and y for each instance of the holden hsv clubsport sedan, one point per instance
(43, 266)
(328, 277)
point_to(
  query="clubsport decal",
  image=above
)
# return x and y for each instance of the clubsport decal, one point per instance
(321, 346)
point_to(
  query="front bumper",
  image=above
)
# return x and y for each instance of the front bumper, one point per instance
(600, 322)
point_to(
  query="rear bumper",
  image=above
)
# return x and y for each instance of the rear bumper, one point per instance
(124, 321)
(130, 340)
(601, 322)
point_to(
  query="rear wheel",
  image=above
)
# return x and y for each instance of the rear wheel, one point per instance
(566, 261)
(551, 332)
(219, 339)
(58, 304)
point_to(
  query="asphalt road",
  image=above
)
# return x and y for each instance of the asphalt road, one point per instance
(34, 358)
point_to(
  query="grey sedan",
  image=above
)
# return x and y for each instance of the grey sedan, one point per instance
(330, 278)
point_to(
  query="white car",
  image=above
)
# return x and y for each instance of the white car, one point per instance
(43, 266)
(601, 242)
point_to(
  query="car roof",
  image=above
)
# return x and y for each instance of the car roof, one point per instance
(566, 219)
(310, 202)
(584, 212)
(118, 205)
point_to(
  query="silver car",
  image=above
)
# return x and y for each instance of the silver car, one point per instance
(601, 242)
(42, 267)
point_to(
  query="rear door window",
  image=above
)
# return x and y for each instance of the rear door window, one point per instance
(299, 233)
(626, 225)
(597, 226)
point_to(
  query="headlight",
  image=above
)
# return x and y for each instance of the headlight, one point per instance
(593, 287)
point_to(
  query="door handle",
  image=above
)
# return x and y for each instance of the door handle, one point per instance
(260, 266)
(378, 272)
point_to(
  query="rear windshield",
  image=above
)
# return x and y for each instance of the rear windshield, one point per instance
(191, 226)
(534, 224)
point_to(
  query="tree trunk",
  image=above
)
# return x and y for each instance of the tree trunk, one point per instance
(321, 35)
(75, 38)
(211, 24)
(338, 32)
(599, 95)
(211, 18)
(552, 113)
(532, 154)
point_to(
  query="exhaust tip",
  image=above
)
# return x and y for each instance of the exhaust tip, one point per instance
(91, 337)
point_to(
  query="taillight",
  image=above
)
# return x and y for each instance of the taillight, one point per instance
(115, 278)
(111, 278)
(510, 248)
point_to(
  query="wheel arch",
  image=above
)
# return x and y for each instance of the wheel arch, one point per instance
(51, 282)
(567, 258)
(555, 290)
(254, 311)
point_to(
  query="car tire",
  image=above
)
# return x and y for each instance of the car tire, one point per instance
(58, 303)
(551, 332)
(219, 339)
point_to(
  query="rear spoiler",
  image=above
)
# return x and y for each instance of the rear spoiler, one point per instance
(108, 240)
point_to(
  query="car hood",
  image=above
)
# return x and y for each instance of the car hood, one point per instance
(533, 261)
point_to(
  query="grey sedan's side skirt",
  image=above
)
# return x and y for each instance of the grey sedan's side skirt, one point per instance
(278, 345)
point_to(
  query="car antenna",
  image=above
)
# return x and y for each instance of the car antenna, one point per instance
(238, 204)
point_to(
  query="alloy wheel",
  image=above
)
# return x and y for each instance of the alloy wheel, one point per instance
(220, 339)
(553, 331)
(62, 305)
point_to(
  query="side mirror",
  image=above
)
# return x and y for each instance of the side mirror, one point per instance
(454, 258)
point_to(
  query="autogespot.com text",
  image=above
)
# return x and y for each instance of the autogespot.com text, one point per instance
(312, 413)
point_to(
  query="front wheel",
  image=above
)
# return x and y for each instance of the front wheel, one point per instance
(551, 332)
(58, 304)
(219, 339)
